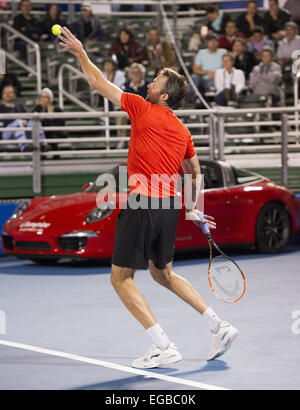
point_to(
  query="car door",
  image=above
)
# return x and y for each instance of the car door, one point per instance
(217, 203)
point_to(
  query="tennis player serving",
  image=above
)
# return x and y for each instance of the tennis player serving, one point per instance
(159, 145)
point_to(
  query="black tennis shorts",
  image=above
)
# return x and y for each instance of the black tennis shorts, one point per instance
(143, 234)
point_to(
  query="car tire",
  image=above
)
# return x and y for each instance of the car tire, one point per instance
(273, 228)
(45, 261)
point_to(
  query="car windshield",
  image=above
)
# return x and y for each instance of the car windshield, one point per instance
(212, 178)
(243, 176)
(116, 174)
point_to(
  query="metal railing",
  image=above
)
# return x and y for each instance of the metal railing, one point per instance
(73, 75)
(214, 140)
(8, 35)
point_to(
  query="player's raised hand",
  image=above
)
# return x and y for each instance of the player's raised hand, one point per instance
(70, 42)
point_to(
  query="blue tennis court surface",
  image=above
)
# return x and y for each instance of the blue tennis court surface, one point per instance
(72, 309)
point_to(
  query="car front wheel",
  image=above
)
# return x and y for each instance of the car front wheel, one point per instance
(273, 228)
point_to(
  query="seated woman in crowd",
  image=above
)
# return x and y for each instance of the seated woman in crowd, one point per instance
(53, 16)
(126, 49)
(244, 59)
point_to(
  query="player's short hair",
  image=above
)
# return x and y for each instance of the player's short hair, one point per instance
(176, 86)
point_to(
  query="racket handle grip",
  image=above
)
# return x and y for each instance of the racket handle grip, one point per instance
(204, 227)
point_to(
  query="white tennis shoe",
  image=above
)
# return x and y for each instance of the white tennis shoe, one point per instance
(155, 357)
(222, 340)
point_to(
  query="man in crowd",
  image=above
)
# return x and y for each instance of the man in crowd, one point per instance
(275, 20)
(248, 20)
(11, 106)
(87, 28)
(159, 53)
(27, 25)
(289, 44)
(231, 34)
(216, 20)
(265, 77)
(206, 63)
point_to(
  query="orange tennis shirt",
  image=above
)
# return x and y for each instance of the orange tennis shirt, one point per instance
(159, 142)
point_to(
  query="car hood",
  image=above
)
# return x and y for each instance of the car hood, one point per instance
(58, 213)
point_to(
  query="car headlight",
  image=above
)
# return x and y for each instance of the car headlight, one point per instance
(100, 212)
(20, 209)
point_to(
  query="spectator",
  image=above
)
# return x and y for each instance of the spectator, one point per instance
(259, 41)
(87, 28)
(275, 20)
(289, 44)
(137, 83)
(46, 104)
(118, 78)
(293, 7)
(247, 21)
(207, 61)
(217, 20)
(159, 54)
(11, 106)
(10, 79)
(265, 78)
(126, 50)
(114, 75)
(244, 59)
(27, 25)
(231, 34)
(197, 39)
(53, 16)
(229, 82)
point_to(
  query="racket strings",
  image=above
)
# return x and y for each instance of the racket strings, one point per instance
(226, 279)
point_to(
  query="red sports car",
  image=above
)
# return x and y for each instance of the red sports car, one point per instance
(248, 209)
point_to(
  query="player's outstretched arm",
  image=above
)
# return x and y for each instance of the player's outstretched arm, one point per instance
(92, 73)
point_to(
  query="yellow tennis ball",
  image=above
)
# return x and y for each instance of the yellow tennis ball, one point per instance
(56, 29)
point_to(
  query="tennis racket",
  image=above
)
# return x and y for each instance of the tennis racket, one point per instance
(225, 277)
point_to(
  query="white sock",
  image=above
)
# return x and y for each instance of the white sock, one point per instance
(212, 320)
(158, 336)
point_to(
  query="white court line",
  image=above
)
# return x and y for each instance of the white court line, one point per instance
(115, 366)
